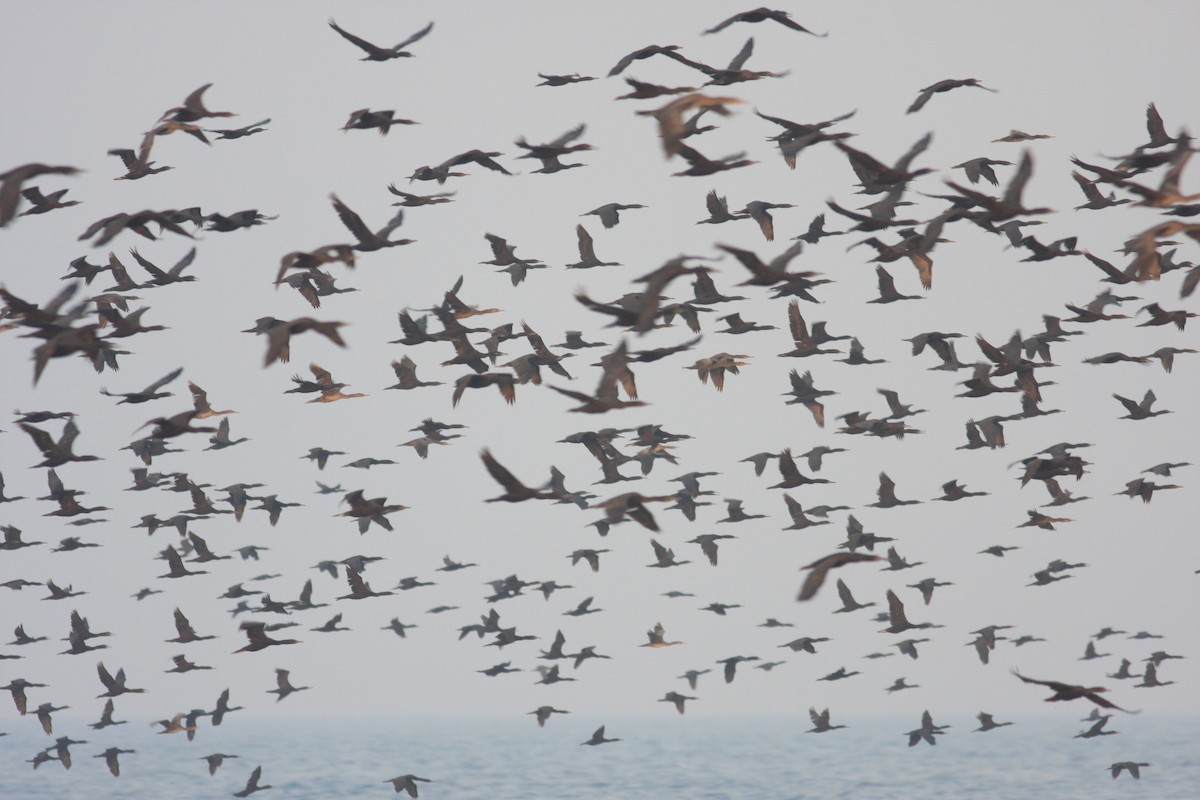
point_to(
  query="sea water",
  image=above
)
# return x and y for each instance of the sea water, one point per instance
(668, 757)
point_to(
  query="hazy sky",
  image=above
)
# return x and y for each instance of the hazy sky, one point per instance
(1081, 72)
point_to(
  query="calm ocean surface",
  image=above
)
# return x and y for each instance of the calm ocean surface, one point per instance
(657, 758)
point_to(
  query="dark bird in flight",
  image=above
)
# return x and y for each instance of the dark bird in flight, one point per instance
(11, 185)
(677, 699)
(543, 713)
(563, 80)
(736, 71)
(943, 86)
(514, 490)
(647, 52)
(215, 760)
(56, 453)
(252, 784)
(887, 494)
(549, 152)
(284, 685)
(701, 165)
(978, 168)
(820, 721)
(503, 381)
(359, 589)
(256, 633)
(927, 731)
(1137, 411)
(1066, 691)
(368, 240)
(805, 644)
(609, 213)
(137, 165)
(416, 200)
(616, 371)
(186, 633)
(898, 619)
(792, 477)
(442, 172)
(1020, 136)
(987, 723)
(407, 783)
(1009, 205)
(279, 335)
(763, 14)
(110, 759)
(731, 665)
(587, 252)
(238, 133)
(193, 108)
(149, 393)
(821, 567)
(645, 91)
(598, 738)
(887, 288)
(376, 53)
(45, 202)
(17, 687)
(1132, 767)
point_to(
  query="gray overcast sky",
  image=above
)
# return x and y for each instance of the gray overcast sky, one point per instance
(1082, 72)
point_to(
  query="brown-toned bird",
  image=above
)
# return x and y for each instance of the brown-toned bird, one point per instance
(821, 567)
(1067, 691)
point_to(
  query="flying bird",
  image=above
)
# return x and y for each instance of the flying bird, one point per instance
(407, 783)
(763, 14)
(821, 567)
(943, 86)
(376, 53)
(1067, 691)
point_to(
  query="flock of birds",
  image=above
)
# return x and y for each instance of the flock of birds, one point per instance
(993, 195)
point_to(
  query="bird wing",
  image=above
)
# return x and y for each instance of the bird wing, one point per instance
(500, 474)
(351, 220)
(182, 625)
(815, 578)
(323, 376)
(174, 560)
(357, 585)
(661, 554)
(1089, 189)
(920, 102)
(887, 285)
(587, 251)
(199, 398)
(1012, 193)
(796, 323)
(41, 439)
(641, 515)
(844, 593)
(416, 37)
(716, 205)
(163, 381)
(895, 609)
(1130, 405)
(146, 265)
(360, 43)
(743, 55)
(887, 489)
(105, 677)
(182, 264)
(788, 469)
(569, 136)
